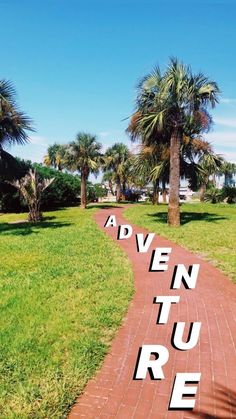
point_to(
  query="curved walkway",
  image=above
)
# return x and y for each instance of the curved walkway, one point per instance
(114, 394)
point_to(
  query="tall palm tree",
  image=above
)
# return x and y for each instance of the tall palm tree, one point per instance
(14, 124)
(117, 161)
(172, 105)
(55, 156)
(84, 155)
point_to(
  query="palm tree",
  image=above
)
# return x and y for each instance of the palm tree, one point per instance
(209, 164)
(108, 176)
(147, 164)
(84, 155)
(14, 124)
(117, 160)
(228, 170)
(31, 188)
(55, 156)
(170, 106)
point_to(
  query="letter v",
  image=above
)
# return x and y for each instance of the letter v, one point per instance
(144, 244)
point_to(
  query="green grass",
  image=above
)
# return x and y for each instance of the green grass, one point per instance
(207, 229)
(65, 287)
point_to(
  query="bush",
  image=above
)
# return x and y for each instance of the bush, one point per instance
(10, 200)
(64, 191)
(95, 191)
(229, 193)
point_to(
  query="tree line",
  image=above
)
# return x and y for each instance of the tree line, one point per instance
(168, 124)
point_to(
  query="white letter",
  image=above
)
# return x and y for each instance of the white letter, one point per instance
(111, 221)
(165, 302)
(154, 366)
(180, 390)
(158, 259)
(124, 232)
(189, 278)
(143, 245)
(177, 336)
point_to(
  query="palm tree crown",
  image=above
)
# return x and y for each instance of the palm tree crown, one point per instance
(14, 124)
(175, 100)
(55, 156)
(84, 154)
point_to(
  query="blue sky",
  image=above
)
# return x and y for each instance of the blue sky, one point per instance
(75, 64)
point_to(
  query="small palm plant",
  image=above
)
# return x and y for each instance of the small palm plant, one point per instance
(31, 188)
(213, 195)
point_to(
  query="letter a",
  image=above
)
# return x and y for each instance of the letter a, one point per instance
(111, 221)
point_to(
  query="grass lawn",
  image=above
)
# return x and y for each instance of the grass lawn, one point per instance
(207, 229)
(65, 287)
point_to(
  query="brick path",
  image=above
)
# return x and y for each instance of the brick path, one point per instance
(114, 394)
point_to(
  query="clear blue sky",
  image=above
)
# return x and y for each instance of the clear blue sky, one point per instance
(75, 64)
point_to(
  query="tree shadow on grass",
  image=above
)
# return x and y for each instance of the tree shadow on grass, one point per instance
(225, 400)
(187, 217)
(107, 205)
(24, 228)
(102, 206)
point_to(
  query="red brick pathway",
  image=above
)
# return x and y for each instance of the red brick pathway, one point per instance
(114, 394)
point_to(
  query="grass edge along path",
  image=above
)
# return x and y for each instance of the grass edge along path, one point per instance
(209, 230)
(65, 288)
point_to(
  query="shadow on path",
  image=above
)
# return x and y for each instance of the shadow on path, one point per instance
(102, 206)
(224, 399)
(187, 217)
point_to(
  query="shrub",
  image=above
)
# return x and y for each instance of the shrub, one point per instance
(229, 193)
(213, 195)
(64, 191)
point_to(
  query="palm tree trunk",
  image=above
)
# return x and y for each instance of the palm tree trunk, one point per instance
(83, 194)
(118, 191)
(124, 187)
(35, 214)
(214, 179)
(155, 199)
(164, 193)
(173, 208)
(111, 187)
(202, 192)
